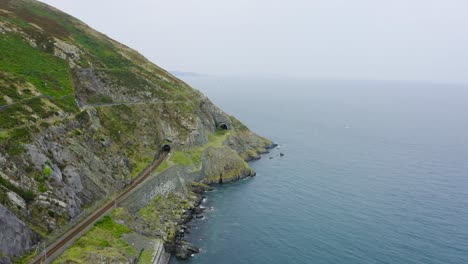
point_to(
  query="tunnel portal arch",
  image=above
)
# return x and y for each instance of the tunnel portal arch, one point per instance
(166, 148)
(223, 126)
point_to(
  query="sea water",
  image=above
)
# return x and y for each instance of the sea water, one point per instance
(372, 172)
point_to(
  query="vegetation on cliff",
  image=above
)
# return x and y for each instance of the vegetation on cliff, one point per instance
(104, 239)
(81, 115)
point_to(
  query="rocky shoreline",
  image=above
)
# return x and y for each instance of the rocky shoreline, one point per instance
(181, 248)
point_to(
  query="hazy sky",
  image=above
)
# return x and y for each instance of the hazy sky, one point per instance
(326, 39)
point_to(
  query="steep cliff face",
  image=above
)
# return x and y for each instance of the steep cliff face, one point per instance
(14, 234)
(81, 115)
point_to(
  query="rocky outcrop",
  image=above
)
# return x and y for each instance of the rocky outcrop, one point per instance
(249, 145)
(221, 165)
(199, 188)
(15, 236)
(185, 250)
(174, 179)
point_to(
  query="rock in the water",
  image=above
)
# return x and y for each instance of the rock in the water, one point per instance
(198, 210)
(184, 250)
(199, 188)
(281, 154)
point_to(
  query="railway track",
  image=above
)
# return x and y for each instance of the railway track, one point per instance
(75, 232)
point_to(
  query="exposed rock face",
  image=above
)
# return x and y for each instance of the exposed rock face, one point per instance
(184, 250)
(221, 165)
(249, 145)
(174, 179)
(15, 236)
(81, 115)
(200, 188)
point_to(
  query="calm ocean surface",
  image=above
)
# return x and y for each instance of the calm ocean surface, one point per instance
(373, 172)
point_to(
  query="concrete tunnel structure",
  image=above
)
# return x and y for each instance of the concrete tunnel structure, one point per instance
(223, 126)
(166, 147)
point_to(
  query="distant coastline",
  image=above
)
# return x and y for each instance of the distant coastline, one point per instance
(188, 74)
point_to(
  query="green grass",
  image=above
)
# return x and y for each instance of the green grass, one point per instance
(18, 121)
(238, 124)
(150, 212)
(196, 155)
(99, 99)
(34, 111)
(12, 141)
(193, 157)
(23, 118)
(181, 158)
(42, 187)
(140, 164)
(67, 103)
(11, 116)
(127, 78)
(107, 224)
(4, 135)
(163, 211)
(118, 121)
(47, 171)
(35, 12)
(218, 137)
(51, 75)
(9, 86)
(102, 52)
(105, 238)
(146, 257)
(15, 21)
(121, 124)
(38, 107)
(202, 185)
(163, 166)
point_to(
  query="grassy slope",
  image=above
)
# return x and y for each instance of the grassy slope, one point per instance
(49, 74)
(105, 239)
(192, 158)
(51, 77)
(37, 91)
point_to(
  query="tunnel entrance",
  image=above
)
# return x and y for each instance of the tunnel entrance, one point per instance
(223, 126)
(166, 148)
